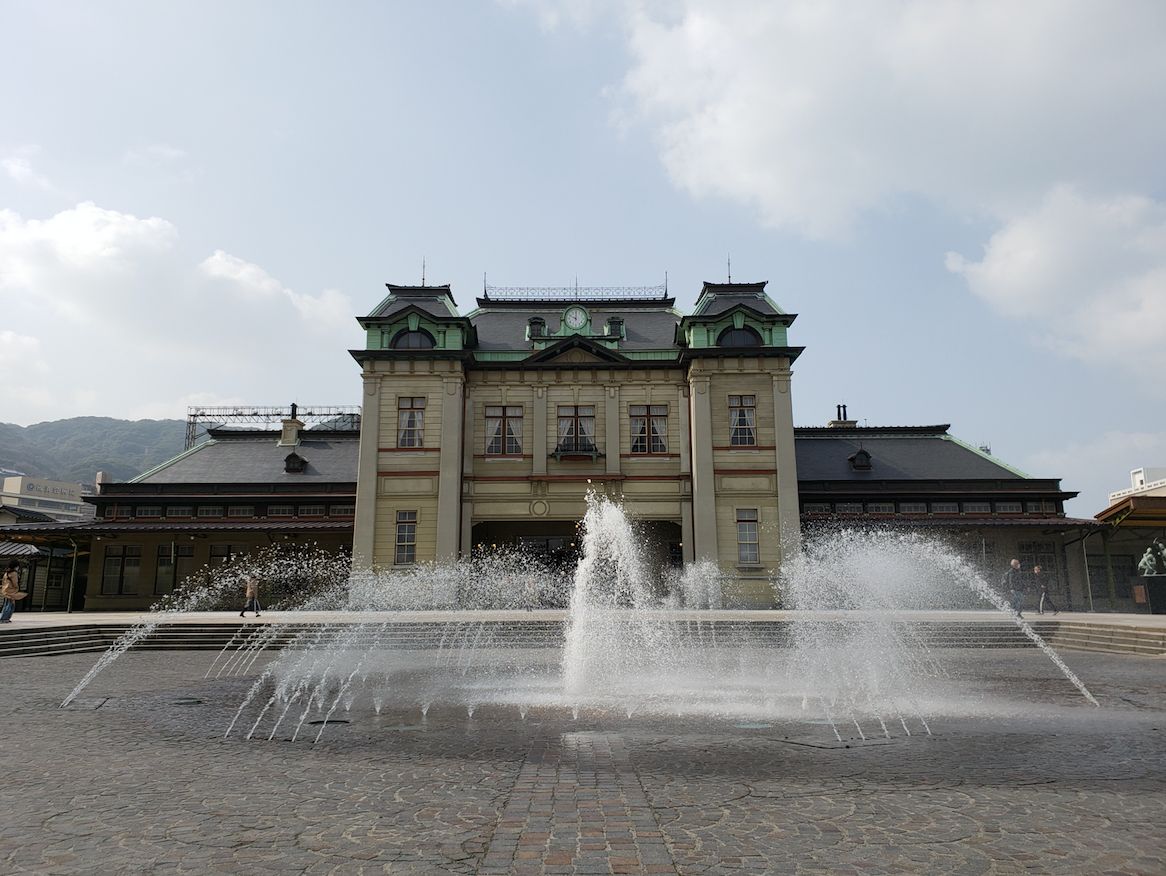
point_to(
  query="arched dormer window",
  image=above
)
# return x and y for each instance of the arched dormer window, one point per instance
(860, 460)
(293, 463)
(739, 337)
(418, 340)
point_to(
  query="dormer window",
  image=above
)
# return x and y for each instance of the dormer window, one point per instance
(615, 326)
(860, 460)
(739, 337)
(538, 327)
(417, 340)
(293, 463)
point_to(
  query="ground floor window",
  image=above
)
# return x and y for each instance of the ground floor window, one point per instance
(406, 538)
(221, 554)
(123, 565)
(175, 563)
(747, 550)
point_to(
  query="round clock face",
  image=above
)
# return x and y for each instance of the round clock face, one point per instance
(576, 317)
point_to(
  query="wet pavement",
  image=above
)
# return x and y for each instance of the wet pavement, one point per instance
(1019, 775)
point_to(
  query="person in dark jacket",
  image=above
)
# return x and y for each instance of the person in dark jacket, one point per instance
(1013, 582)
(1042, 587)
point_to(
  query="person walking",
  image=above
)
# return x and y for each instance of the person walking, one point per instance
(1013, 582)
(251, 583)
(10, 590)
(1042, 587)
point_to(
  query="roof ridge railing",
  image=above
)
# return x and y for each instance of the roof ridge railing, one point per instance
(575, 293)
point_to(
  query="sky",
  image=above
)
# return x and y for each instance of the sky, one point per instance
(964, 202)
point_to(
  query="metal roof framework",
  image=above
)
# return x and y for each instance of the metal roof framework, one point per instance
(252, 416)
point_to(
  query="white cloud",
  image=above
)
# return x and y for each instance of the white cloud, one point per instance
(330, 308)
(814, 112)
(138, 328)
(153, 156)
(817, 113)
(19, 168)
(80, 264)
(1087, 274)
(1101, 467)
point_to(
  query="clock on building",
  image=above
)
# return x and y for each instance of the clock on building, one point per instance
(576, 317)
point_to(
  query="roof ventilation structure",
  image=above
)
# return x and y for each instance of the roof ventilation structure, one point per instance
(860, 460)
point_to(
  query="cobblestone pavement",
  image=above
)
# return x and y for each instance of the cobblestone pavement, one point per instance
(136, 777)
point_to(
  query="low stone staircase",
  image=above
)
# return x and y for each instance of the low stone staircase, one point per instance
(1080, 635)
(1108, 638)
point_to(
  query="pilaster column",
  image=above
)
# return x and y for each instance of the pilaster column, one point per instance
(538, 429)
(611, 415)
(788, 515)
(449, 486)
(465, 542)
(367, 481)
(704, 496)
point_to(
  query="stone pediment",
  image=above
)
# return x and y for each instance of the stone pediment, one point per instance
(575, 350)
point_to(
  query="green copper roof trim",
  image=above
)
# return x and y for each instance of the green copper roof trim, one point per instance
(988, 456)
(170, 462)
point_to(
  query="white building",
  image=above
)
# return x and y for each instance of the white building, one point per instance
(59, 500)
(1143, 482)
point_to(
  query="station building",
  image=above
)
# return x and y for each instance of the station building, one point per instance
(491, 429)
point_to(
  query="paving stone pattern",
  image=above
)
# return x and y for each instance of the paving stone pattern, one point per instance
(137, 778)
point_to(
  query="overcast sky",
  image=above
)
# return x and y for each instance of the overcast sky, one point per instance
(965, 202)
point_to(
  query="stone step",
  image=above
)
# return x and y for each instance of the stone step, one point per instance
(549, 634)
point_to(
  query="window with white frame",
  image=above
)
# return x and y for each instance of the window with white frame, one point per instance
(503, 431)
(241, 511)
(148, 511)
(912, 507)
(180, 511)
(945, 508)
(342, 510)
(281, 510)
(742, 420)
(747, 550)
(977, 508)
(406, 538)
(210, 510)
(649, 428)
(411, 421)
(880, 507)
(312, 511)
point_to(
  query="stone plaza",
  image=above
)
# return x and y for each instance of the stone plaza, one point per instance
(1021, 775)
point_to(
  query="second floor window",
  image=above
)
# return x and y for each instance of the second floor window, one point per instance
(576, 429)
(410, 422)
(742, 420)
(503, 431)
(649, 428)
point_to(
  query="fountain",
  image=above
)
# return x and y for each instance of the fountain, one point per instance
(632, 640)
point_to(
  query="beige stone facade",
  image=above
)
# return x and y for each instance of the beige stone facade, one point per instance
(492, 429)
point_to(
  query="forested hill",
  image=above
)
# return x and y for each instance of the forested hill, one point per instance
(75, 450)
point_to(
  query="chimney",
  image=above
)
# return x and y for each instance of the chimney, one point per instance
(103, 477)
(842, 422)
(290, 436)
